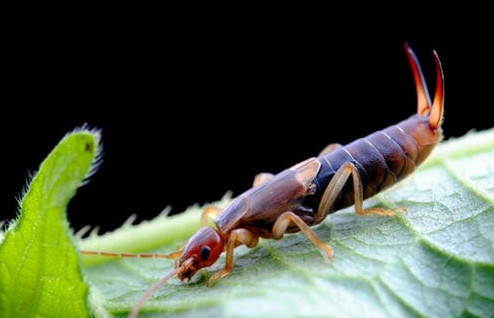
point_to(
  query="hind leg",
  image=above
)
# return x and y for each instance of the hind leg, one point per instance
(334, 189)
(329, 148)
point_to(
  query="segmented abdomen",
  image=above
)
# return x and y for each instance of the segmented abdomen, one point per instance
(382, 159)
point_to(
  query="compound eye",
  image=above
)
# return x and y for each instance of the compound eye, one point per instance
(205, 251)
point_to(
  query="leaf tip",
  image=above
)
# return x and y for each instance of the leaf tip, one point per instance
(93, 145)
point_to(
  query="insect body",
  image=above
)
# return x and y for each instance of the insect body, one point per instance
(303, 195)
(306, 193)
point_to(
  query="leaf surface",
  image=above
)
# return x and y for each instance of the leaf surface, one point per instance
(437, 260)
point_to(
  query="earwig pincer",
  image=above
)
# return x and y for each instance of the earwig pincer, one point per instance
(303, 195)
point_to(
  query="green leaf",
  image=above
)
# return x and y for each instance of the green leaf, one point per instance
(40, 273)
(437, 260)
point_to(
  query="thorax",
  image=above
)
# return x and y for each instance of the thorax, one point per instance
(258, 208)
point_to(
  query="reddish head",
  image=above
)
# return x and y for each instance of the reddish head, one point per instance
(202, 250)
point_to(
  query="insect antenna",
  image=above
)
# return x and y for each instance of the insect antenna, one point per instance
(173, 255)
(151, 290)
(135, 310)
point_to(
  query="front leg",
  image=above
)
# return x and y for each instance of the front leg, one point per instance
(209, 212)
(261, 178)
(237, 237)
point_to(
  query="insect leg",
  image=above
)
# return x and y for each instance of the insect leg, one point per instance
(209, 211)
(237, 237)
(261, 178)
(284, 220)
(334, 189)
(329, 148)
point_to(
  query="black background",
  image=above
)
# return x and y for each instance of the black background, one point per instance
(191, 108)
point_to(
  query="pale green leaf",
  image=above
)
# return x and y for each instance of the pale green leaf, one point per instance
(39, 267)
(437, 260)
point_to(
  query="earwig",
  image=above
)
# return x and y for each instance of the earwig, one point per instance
(305, 194)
